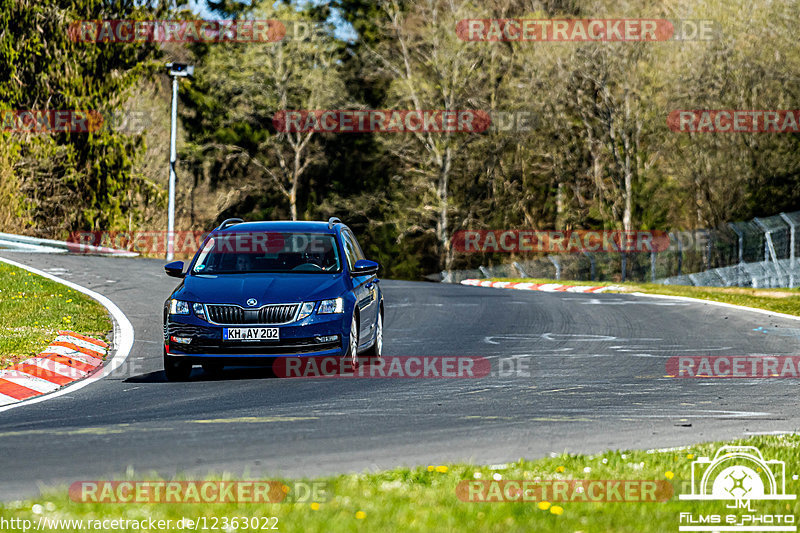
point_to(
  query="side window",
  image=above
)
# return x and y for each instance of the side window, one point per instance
(356, 246)
(350, 247)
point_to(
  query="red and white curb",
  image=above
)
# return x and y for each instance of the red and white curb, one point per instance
(123, 338)
(544, 287)
(68, 358)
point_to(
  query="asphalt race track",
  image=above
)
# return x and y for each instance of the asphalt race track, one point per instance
(597, 381)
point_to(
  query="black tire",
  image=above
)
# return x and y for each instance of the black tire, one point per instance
(352, 346)
(176, 370)
(376, 350)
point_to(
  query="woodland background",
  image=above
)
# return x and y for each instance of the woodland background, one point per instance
(600, 154)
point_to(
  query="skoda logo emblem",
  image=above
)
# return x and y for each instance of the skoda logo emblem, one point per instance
(252, 301)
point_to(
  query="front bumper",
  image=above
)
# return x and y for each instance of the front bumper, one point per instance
(296, 339)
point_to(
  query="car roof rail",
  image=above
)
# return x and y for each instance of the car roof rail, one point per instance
(332, 221)
(230, 222)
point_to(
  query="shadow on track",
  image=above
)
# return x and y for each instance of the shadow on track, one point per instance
(228, 373)
(198, 374)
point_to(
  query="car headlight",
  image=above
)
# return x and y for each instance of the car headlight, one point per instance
(199, 310)
(327, 307)
(178, 307)
(305, 310)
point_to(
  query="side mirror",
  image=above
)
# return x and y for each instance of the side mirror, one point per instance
(365, 267)
(174, 269)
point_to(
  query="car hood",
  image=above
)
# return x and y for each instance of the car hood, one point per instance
(265, 288)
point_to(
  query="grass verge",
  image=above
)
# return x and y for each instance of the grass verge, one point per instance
(778, 300)
(33, 309)
(424, 499)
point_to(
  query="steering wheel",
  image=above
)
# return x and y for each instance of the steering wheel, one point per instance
(312, 267)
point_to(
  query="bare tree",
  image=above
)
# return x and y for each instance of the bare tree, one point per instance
(432, 69)
(258, 81)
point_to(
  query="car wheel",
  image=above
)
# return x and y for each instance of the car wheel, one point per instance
(376, 350)
(176, 370)
(352, 347)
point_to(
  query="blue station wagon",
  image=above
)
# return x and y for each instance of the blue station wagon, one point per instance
(255, 291)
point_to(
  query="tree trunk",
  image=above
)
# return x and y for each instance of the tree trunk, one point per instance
(293, 198)
(626, 139)
(442, 225)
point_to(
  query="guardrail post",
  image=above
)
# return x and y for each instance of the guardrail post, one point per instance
(767, 238)
(520, 269)
(769, 251)
(653, 266)
(740, 236)
(792, 229)
(553, 259)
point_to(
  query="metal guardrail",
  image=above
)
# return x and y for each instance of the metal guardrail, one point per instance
(762, 252)
(36, 244)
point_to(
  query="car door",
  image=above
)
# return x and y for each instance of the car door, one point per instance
(364, 287)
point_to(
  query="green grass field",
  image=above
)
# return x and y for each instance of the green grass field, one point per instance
(424, 499)
(33, 309)
(402, 499)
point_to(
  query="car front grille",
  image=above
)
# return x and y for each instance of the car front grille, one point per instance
(226, 314)
(236, 315)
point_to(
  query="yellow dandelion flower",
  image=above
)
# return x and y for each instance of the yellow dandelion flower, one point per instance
(442, 469)
(361, 515)
(560, 469)
(668, 474)
(430, 468)
(690, 456)
(544, 506)
(315, 506)
(557, 510)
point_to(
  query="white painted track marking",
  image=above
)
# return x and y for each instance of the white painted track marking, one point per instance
(123, 337)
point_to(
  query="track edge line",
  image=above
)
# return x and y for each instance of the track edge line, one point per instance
(720, 304)
(123, 330)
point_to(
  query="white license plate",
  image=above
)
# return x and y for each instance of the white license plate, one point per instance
(250, 334)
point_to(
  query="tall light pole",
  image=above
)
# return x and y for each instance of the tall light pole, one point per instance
(176, 70)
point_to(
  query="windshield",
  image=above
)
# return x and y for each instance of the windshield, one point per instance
(239, 252)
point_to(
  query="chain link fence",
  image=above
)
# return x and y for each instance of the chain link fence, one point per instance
(759, 253)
